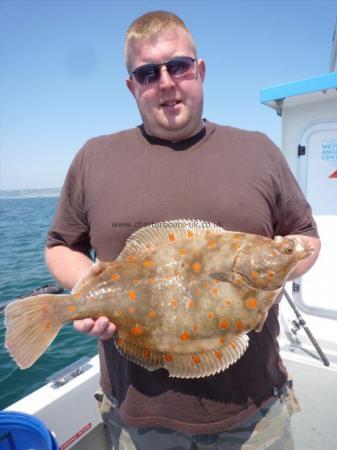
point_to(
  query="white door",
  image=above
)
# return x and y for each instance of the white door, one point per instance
(317, 175)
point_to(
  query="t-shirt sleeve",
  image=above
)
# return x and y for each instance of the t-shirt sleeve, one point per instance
(70, 225)
(295, 214)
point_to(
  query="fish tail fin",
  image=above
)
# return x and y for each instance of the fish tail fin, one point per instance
(31, 325)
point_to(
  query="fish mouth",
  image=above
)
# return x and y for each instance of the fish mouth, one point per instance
(298, 247)
(303, 248)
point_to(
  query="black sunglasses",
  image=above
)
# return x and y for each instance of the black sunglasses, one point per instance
(150, 73)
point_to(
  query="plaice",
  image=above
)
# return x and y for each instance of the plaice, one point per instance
(183, 295)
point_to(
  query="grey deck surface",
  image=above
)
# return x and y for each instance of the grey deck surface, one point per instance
(315, 427)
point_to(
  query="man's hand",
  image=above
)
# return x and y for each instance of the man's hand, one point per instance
(101, 327)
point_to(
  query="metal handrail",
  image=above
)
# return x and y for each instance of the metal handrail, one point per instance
(300, 323)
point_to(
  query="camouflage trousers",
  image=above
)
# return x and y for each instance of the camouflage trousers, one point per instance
(268, 429)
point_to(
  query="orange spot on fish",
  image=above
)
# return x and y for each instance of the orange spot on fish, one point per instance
(239, 325)
(190, 234)
(215, 291)
(148, 264)
(196, 359)
(254, 275)
(210, 315)
(167, 277)
(233, 345)
(205, 285)
(218, 354)
(211, 243)
(137, 330)
(132, 295)
(190, 303)
(223, 324)
(115, 277)
(147, 353)
(228, 301)
(152, 314)
(270, 274)
(168, 357)
(131, 258)
(77, 295)
(222, 340)
(72, 308)
(197, 292)
(237, 281)
(177, 273)
(174, 303)
(251, 303)
(185, 336)
(172, 237)
(183, 252)
(47, 325)
(120, 341)
(196, 267)
(132, 309)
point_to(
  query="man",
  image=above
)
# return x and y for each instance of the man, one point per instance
(176, 165)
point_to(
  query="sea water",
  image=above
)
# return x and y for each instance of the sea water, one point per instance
(24, 223)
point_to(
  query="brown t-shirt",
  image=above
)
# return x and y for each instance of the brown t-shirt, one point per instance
(237, 179)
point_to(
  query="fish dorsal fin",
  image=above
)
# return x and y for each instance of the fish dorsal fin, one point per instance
(145, 240)
(144, 357)
(205, 364)
(184, 365)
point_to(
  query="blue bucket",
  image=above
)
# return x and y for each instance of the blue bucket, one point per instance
(20, 431)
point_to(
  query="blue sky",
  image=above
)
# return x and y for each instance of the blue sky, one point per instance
(63, 74)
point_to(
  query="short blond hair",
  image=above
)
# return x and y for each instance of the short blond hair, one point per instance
(148, 26)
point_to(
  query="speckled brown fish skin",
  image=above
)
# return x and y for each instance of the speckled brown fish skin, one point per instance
(185, 297)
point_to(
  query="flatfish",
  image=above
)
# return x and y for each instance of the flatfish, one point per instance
(183, 295)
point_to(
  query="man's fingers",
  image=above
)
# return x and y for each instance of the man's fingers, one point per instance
(84, 325)
(101, 328)
(109, 332)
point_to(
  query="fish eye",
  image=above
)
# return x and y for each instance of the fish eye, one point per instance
(288, 248)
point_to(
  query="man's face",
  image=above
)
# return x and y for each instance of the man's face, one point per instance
(171, 108)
